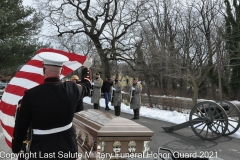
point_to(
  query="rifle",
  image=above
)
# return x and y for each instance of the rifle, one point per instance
(112, 95)
(91, 91)
(131, 94)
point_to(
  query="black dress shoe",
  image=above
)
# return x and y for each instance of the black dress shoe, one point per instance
(107, 109)
(135, 118)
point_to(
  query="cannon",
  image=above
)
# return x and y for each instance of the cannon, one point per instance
(210, 120)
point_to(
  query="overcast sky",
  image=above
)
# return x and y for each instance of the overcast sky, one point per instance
(27, 2)
(45, 28)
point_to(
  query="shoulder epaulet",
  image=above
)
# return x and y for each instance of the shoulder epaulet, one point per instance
(101, 81)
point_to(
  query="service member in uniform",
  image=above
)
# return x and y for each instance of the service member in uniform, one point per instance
(50, 108)
(135, 98)
(117, 96)
(80, 106)
(96, 93)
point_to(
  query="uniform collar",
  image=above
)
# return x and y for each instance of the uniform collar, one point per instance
(51, 79)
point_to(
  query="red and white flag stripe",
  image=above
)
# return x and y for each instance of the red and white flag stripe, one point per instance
(29, 76)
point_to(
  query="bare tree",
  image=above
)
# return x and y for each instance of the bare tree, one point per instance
(93, 18)
(208, 11)
(186, 35)
(80, 44)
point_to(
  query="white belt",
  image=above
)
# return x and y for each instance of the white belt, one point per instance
(54, 130)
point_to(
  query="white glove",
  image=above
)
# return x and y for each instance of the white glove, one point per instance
(113, 89)
(133, 88)
(88, 62)
(92, 83)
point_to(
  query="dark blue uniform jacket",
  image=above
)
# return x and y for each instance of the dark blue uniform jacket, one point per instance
(49, 105)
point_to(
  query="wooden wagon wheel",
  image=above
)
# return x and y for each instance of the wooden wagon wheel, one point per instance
(233, 114)
(208, 120)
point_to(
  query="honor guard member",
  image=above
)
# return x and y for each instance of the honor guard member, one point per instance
(50, 108)
(96, 93)
(117, 96)
(135, 98)
(80, 107)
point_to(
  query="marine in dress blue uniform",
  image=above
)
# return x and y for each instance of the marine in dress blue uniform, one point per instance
(50, 108)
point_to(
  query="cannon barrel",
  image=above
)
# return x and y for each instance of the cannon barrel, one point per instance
(180, 126)
(225, 107)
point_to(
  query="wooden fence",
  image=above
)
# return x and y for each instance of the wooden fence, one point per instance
(167, 103)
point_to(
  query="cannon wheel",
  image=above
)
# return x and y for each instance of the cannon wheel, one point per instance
(208, 120)
(233, 117)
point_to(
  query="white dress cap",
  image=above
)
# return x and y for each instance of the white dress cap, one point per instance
(53, 59)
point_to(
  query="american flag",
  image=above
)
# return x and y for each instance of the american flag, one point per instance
(29, 76)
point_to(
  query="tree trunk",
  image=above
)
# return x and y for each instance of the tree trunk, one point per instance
(219, 76)
(104, 60)
(195, 94)
(149, 94)
(220, 84)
